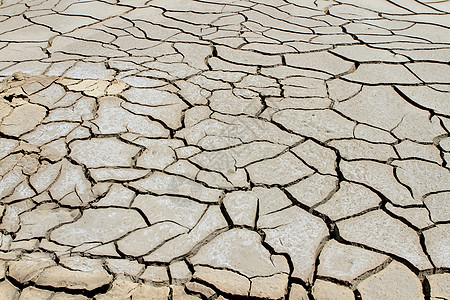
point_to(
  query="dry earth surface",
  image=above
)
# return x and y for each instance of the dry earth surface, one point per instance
(218, 149)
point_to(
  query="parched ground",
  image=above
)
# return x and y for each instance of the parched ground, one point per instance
(218, 149)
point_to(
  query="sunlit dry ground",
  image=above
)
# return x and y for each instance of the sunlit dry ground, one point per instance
(216, 149)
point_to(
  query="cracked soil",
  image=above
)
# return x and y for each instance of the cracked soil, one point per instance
(220, 149)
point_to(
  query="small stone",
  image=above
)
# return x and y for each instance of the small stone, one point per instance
(19, 76)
